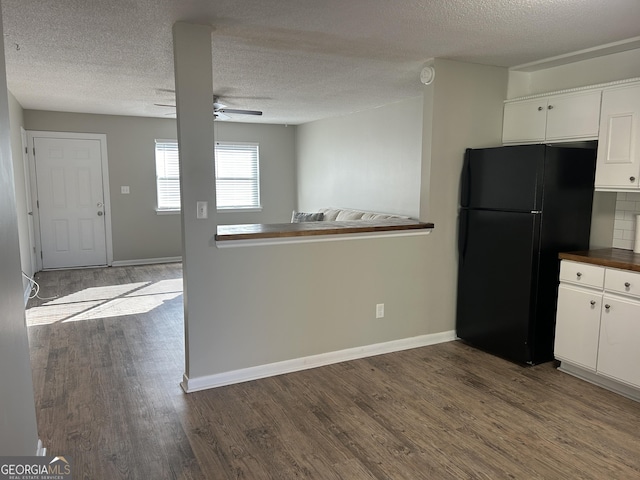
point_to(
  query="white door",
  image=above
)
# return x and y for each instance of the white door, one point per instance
(70, 202)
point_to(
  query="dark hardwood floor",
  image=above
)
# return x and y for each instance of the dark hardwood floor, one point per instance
(108, 355)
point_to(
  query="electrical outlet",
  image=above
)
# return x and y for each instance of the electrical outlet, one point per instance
(380, 310)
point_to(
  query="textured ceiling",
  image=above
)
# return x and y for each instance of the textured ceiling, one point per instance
(296, 60)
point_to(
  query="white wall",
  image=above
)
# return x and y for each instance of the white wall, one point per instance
(368, 160)
(607, 68)
(138, 232)
(18, 431)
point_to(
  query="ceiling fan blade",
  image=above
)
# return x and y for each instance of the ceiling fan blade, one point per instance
(164, 105)
(240, 112)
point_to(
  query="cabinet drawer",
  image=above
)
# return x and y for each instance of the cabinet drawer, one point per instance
(622, 281)
(582, 274)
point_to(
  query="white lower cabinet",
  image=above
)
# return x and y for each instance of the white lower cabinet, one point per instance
(619, 345)
(598, 323)
(578, 326)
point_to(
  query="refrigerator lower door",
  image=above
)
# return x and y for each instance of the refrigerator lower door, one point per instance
(498, 263)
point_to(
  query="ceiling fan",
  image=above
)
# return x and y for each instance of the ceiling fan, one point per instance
(220, 110)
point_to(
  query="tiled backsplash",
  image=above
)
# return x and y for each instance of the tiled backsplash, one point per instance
(624, 228)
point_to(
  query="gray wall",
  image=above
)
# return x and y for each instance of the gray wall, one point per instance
(462, 108)
(17, 121)
(18, 432)
(368, 160)
(138, 232)
(252, 306)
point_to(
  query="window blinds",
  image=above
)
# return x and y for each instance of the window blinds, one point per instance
(237, 175)
(167, 175)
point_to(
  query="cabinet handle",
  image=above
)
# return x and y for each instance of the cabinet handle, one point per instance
(607, 306)
(627, 284)
(579, 274)
(632, 179)
(550, 107)
(539, 109)
(593, 303)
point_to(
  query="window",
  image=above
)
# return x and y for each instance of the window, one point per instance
(236, 169)
(167, 175)
(237, 175)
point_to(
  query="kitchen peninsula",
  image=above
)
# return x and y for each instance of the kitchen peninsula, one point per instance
(228, 235)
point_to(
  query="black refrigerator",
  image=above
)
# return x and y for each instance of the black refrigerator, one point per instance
(519, 207)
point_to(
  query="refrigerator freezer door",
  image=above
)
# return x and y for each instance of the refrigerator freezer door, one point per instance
(496, 282)
(504, 178)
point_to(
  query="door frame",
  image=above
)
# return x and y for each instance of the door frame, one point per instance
(33, 262)
(102, 138)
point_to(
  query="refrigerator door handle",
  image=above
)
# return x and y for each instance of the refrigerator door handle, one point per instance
(465, 185)
(536, 212)
(462, 234)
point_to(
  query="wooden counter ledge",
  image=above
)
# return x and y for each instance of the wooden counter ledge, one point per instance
(309, 229)
(606, 257)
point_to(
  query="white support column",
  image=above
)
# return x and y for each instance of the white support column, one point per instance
(194, 102)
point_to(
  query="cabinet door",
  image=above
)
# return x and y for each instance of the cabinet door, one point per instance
(574, 116)
(618, 154)
(524, 121)
(618, 352)
(577, 326)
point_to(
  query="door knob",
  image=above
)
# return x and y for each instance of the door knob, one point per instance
(100, 213)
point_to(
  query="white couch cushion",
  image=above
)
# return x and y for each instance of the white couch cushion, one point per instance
(344, 214)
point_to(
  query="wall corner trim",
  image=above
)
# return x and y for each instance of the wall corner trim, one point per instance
(195, 384)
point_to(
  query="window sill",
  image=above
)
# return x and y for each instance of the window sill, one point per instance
(168, 212)
(239, 210)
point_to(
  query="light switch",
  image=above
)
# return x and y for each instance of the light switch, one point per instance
(124, 189)
(202, 209)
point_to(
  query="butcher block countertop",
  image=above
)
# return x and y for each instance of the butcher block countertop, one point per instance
(312, 229)
(606, 257)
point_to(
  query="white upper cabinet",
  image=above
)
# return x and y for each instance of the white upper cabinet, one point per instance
(618, 165)
(554, 118)
(524, 121)
(574, 116)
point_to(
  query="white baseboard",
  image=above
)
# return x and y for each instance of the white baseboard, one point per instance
(288, 366)
(41, 451)
(27, 292)
(145, 261)
(601, 381)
